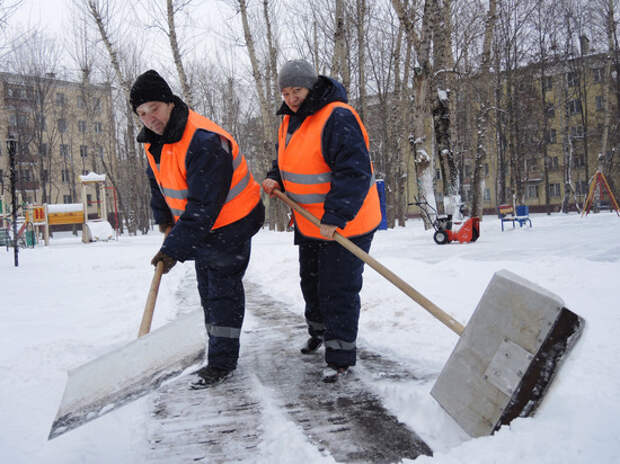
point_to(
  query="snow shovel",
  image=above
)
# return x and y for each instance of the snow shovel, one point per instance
(506, 356)
(133, 370)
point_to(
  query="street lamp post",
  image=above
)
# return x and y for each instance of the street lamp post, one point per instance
(12, 145)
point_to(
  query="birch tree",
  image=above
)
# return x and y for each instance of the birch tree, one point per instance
(421, 138)
(484, 108)
(101, 14)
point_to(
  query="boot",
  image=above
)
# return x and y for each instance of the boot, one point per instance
(209, 376)
(312, 345)
(331, 374)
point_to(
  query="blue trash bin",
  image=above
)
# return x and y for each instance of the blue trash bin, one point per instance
(381, 190)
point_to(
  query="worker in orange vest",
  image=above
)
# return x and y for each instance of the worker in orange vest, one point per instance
(324, 165)
(205, 198)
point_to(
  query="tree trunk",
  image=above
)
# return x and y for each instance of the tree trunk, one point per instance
(176, 55)
(482, 122)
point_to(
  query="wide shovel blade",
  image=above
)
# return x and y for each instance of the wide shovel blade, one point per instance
(130, 372)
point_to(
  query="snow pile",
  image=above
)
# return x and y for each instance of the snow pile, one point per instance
(99, 230)
(68, 303)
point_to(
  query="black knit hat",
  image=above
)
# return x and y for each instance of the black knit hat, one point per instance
(149, 86)
(297, 73)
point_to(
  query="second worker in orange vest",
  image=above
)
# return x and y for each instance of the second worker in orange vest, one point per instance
(324, 165)
(204, 195)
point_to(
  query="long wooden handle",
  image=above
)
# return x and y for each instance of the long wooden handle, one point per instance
(147, 315)
(412, 293)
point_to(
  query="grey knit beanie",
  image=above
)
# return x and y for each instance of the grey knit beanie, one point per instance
(297, 73)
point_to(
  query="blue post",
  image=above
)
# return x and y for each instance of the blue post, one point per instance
(381, 190)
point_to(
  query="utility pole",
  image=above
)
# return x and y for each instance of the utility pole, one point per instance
(11, 146)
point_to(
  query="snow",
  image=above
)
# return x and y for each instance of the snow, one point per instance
(65, 208)
(92, 177)
(70, 302)
(100, 230)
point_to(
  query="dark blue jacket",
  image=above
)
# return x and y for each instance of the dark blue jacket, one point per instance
(209, 174)
(344, 150)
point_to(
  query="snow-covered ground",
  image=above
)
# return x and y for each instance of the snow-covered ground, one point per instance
(71, 302)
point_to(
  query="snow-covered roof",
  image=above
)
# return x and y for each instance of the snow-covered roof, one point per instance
(92, 177)
(65, 208)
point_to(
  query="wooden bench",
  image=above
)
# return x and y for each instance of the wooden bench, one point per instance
(506, 213)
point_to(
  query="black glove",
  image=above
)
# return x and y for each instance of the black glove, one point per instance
(167, 260)
(164, 227)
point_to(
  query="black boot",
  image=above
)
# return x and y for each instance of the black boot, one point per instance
(208, 376)
(312, 345)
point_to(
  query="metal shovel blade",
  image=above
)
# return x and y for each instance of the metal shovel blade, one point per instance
(130, 372)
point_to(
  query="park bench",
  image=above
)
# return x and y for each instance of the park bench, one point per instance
(507, 213)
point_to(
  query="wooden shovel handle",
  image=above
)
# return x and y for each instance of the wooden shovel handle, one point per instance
(147, 315)
(412, 293)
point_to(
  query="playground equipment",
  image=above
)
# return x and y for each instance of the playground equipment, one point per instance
(599, 180)
(99, 228)
(46, 215)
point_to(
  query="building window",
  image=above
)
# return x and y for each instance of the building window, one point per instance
(487, 194)
(551, 136)
(486, 169)
(554, 190)
(550, 111)
(81, 102)
(98, 128)
(82, 126)
(45, 175)
(597, 74)
(553, 163)
(437, 174)
(65, 176)
(97, 104)
(43, 149)
(66, 199)
(600, 103)
(84, 172)
(467, 170)
(581, 187)
(99, 150)
(532, 191)
(576, 132)
(547, 83)
(83, 151)
(572, 79)
(580, 161)
(574, 106)
(62, 125)
(60, 99)
(64, 150)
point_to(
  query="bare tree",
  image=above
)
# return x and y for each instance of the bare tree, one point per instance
(484, 108)
(138, 216)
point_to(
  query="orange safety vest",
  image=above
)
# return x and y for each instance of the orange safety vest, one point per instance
(307, 177)
(171, 175)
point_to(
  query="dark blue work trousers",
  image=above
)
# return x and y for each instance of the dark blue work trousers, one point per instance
(331, 279)
(219, 272)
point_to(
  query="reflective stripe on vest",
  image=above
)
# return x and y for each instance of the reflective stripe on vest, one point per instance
(171, 175)
(307, 177)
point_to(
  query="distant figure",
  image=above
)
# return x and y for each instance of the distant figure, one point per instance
(323, 164)
(204, 197)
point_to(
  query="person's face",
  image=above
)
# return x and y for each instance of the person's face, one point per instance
(155, 115)
(294, 96)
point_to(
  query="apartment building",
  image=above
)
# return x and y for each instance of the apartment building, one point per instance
(58, 130)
